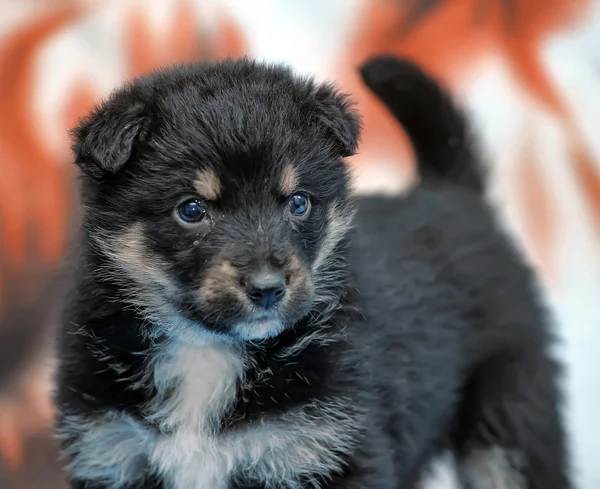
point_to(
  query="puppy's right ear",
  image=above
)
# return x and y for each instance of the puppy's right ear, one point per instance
(105, 139)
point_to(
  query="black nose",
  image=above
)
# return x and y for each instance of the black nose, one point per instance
(266, 288)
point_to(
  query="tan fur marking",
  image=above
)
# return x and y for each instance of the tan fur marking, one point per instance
(289, 180)
(223, 275)
(221, 279)
(340, 221)
(132, 255)
(131, 259)
(228, 270)
(300, 278)
(207, 184)
(296, 265)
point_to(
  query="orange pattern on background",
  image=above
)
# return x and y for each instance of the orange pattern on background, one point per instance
(34, 187)
(588, 179)
(146, 51)
(533, 194)
(25, 412)
(449, 41)
(229, 40)
(35, 205)
(35, 209)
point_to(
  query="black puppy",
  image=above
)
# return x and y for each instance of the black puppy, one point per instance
(229, 329)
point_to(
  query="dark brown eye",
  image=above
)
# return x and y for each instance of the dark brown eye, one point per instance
(299, 204)
(191, 211)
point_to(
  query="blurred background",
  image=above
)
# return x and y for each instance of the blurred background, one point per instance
(528, 72)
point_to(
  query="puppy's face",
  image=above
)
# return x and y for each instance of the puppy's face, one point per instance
(217, 195)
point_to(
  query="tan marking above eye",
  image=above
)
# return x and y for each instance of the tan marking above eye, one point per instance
(288, 182)
(207, 184)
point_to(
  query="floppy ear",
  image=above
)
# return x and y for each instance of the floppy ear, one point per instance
(336, 111)
(105, 139)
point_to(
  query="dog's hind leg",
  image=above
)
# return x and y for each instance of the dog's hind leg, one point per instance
(510, 434)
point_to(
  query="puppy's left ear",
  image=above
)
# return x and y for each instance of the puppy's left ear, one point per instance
(336, 112)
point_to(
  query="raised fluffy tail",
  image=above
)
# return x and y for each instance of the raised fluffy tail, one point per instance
(437, 128)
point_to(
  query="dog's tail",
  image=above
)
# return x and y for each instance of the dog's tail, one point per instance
(436, 128)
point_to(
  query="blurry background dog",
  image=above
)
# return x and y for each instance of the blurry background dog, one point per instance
(525, 69)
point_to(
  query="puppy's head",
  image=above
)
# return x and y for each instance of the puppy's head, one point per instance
(216, 195)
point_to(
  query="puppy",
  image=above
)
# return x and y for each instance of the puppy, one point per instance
(240, 322)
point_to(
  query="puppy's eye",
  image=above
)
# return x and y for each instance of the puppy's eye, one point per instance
(299, 205)
(191, 211)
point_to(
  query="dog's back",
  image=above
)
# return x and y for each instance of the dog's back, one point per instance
(455, 322)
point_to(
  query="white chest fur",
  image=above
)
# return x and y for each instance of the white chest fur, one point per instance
(195, 385)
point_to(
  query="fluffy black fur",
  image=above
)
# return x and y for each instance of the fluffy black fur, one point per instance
(416, 332)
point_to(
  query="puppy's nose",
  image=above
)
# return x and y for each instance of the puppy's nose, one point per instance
(266, 289)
